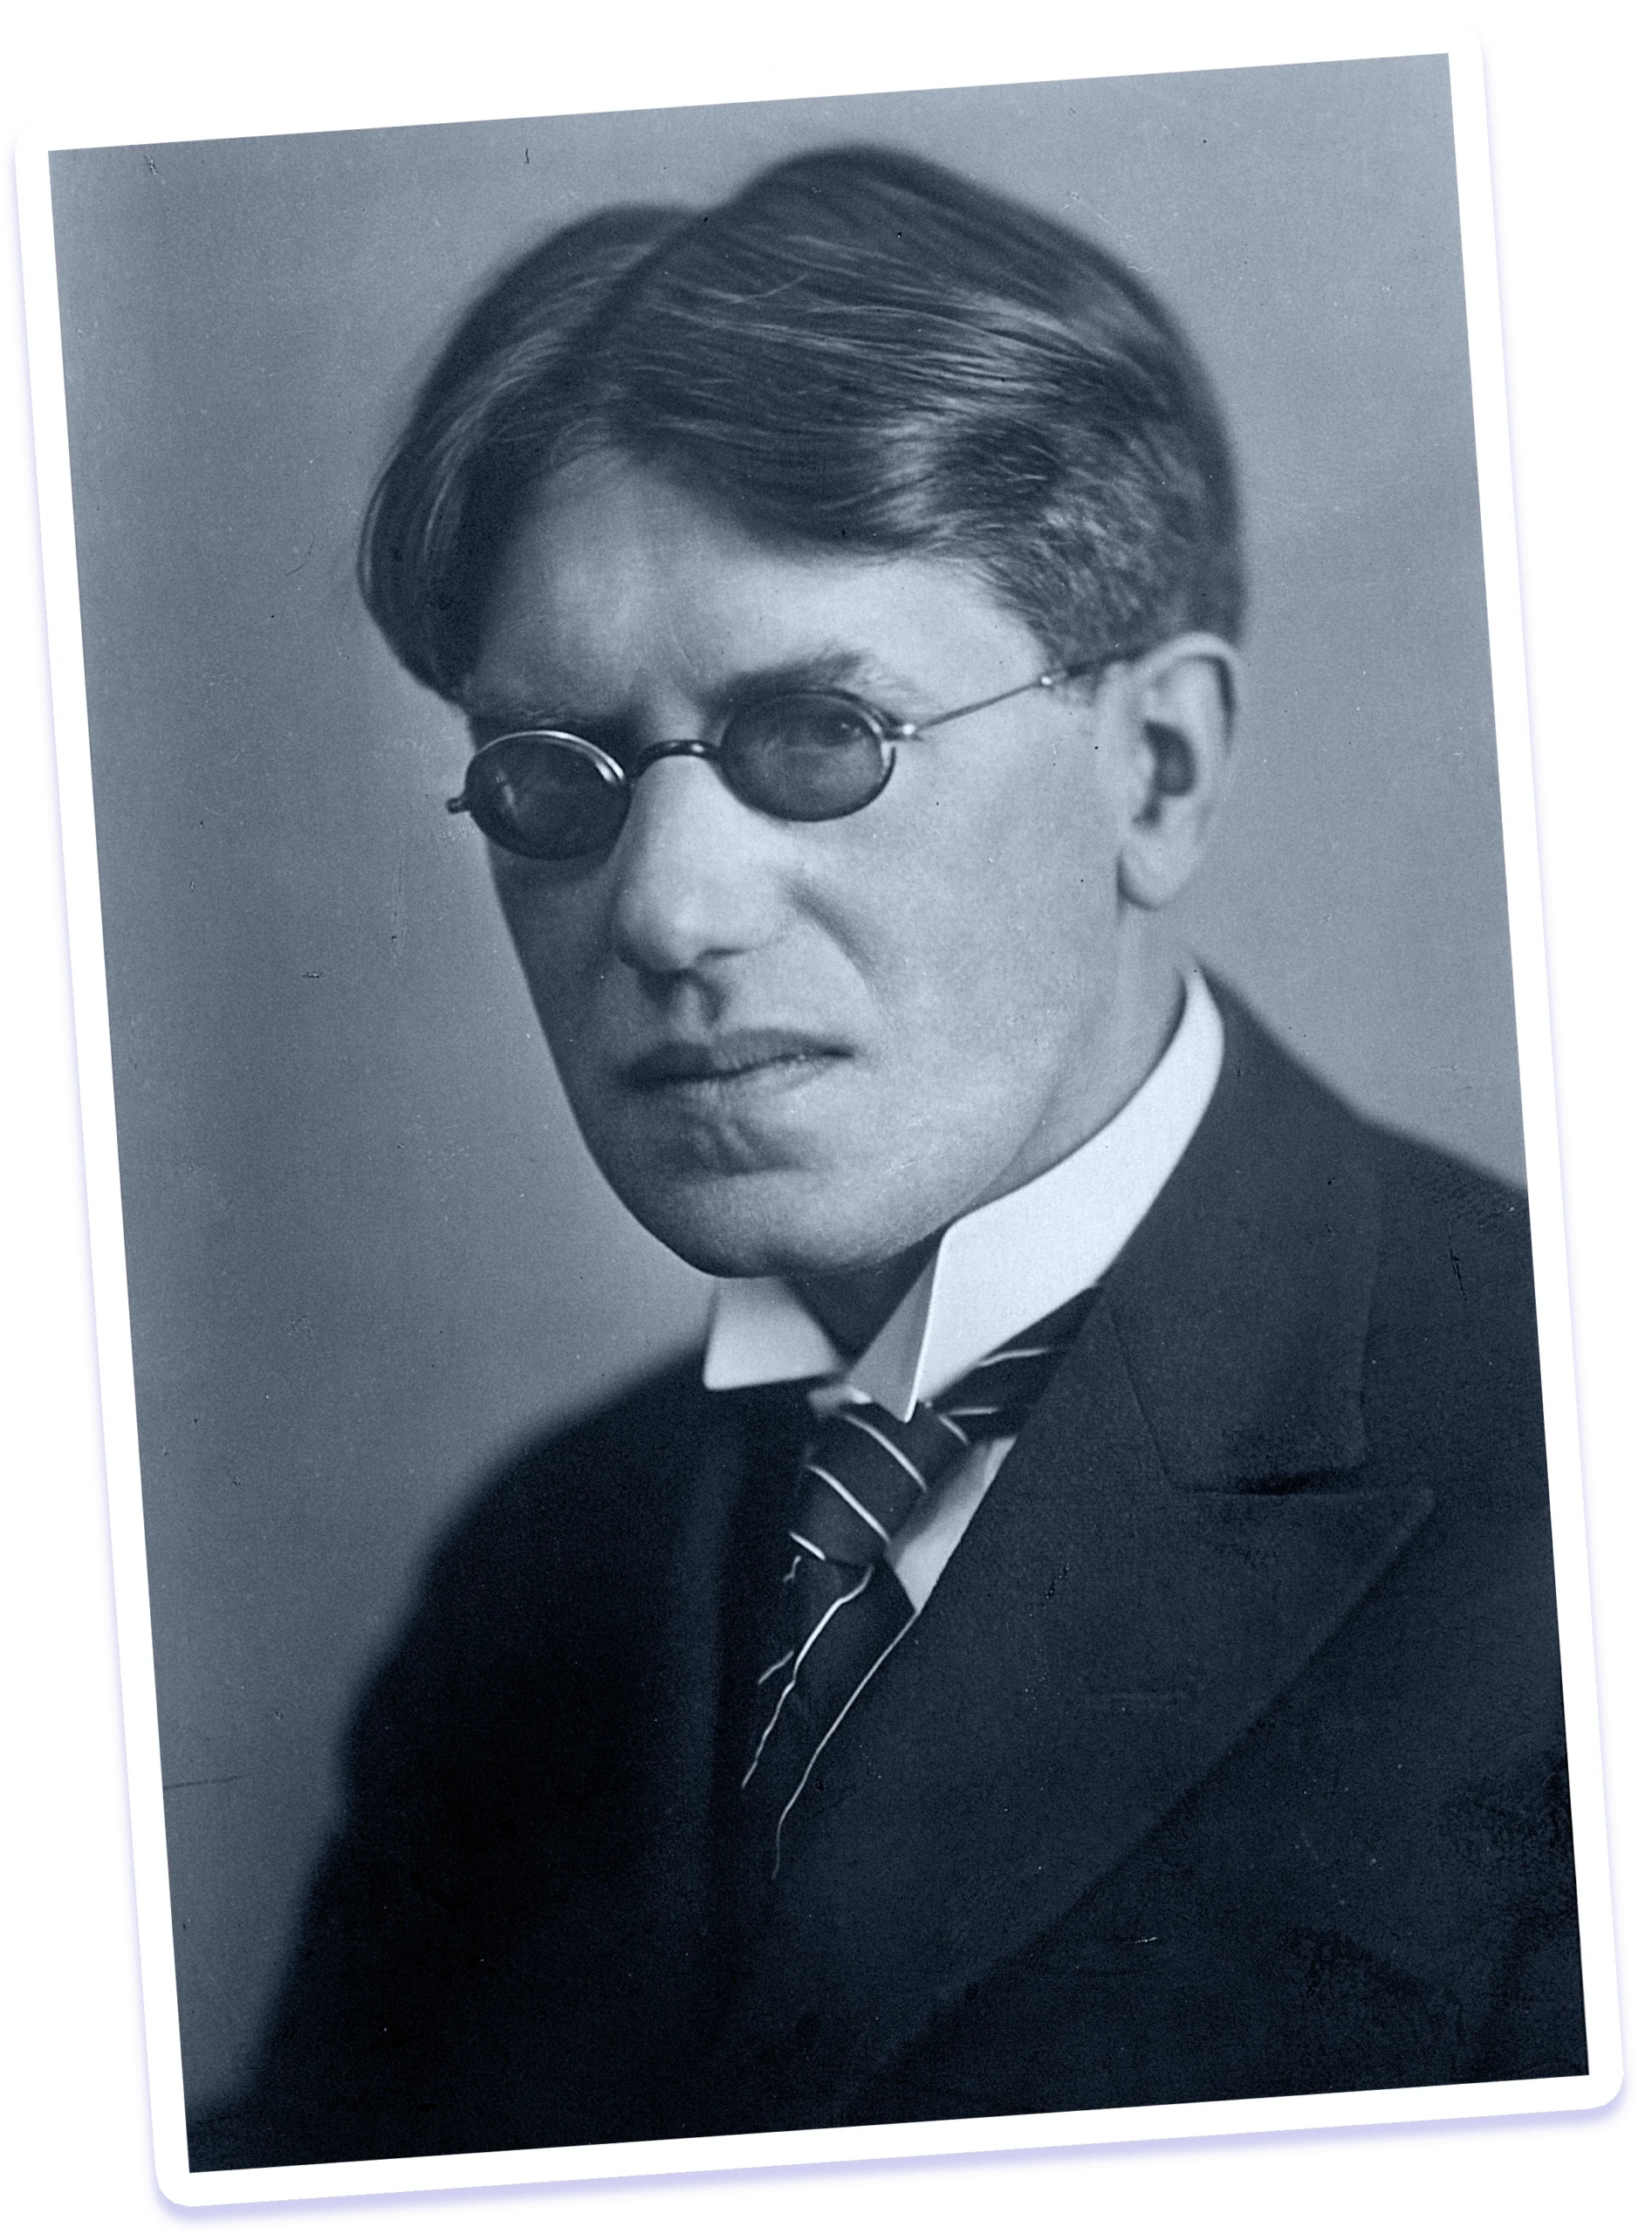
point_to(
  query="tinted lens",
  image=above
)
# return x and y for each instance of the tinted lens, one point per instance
(808, 758)
(545, 796)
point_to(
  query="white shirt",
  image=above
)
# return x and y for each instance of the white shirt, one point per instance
(994, 1272)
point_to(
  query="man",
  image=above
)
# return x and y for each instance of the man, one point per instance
(1084, 1633)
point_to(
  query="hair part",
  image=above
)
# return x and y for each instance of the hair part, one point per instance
(860, 352)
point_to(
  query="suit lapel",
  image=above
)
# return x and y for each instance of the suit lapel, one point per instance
(1121, 1611)
(718, 1589)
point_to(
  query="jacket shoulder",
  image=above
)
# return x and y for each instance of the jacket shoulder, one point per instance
(1471, 1224)
(1424, 1260)
(1428, 1199)
(593, 1466)
(527, 1597)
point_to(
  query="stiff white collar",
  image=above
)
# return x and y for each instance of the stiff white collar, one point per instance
(1003, 1266)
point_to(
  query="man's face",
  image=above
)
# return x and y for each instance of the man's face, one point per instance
(805, 1047)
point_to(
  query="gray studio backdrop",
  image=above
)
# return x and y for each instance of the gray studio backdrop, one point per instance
(366, 1251)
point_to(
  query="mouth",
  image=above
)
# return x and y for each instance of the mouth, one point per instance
(735, 1060)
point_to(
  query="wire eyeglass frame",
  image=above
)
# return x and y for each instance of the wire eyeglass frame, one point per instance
(488, 782)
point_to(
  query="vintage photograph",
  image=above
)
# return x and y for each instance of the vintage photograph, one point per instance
(813, 1025)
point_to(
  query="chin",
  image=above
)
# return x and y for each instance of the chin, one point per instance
(787, 1224)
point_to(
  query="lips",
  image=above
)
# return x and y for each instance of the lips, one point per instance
(730, 1059)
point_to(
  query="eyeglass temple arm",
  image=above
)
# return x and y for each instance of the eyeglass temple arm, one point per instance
(1045, 682)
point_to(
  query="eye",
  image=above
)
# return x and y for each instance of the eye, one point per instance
(809, 757)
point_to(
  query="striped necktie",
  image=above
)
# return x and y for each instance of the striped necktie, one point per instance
(864, 1472)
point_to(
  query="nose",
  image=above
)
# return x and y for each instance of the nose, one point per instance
(692, 876)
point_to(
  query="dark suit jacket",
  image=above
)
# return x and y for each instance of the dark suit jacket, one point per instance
(1226, 1760)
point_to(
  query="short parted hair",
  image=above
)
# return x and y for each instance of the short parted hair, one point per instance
(859, 353)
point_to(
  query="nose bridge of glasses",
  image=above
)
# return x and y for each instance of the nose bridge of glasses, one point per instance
(670, 748)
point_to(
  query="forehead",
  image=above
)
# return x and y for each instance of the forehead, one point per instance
(618, 586)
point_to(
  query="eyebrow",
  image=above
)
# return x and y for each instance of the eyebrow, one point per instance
(833, 668)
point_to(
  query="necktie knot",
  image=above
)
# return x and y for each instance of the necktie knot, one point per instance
(863, 1472)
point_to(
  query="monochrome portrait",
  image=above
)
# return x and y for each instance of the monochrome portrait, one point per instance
(834, 1334)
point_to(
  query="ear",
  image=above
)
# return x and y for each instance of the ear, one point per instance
(1180, 705)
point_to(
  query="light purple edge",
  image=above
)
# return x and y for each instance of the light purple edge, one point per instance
(770, 2179)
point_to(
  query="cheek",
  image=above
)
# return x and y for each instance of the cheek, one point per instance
(994, 916)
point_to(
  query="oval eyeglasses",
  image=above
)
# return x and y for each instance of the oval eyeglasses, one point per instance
(803, 755)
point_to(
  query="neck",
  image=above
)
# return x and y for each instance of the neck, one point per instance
(852, 1305)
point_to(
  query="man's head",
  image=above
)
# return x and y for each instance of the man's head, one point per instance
(868, 428)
